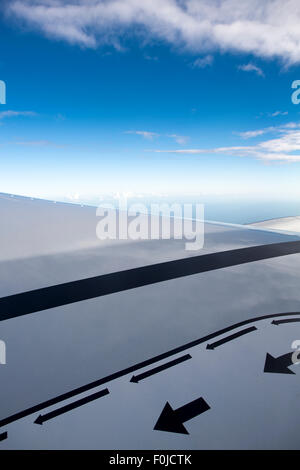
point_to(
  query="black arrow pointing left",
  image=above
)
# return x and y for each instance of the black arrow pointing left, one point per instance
(156, 370)
(75, 404)
(172, 420)
(216, 344)
(287, 320)
(279, 365)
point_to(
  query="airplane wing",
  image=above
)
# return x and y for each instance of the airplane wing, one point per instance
(121, 344)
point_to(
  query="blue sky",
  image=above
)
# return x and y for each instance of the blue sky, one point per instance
(138, 105)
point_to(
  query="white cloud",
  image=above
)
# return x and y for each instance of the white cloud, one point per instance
(38, 143)
(150, 57)
(250, 134)
(73, 197)
(145, 134)
(203, 62)
(10, 113)
(251, 68)
(266, 130)
(279, 113)
(284, 148)
(266, 29)
(180, 139)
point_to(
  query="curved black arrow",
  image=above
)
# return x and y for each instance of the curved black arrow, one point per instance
(279, 365)
(63, 294)
(231, 337)
(137, 378)
(288, 320)
(172, 420)
(53, 414)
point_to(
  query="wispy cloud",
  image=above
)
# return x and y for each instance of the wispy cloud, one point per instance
(38, 143)
(203, 62)
(250, 134)
(145, 134)
(151, 57)
(278, 113)
(249, 27)
(10, 113)
(266, 130)
(284, 148)
(60, 117)
(251, 68)
(180, 139)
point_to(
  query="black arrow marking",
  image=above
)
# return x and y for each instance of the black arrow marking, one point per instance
(279, 365)
(133, 368)
(75, 404)
(3, 436)
(144, 375)
(230, 338)
(63, 294)
(288, 320)
(172, 420)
